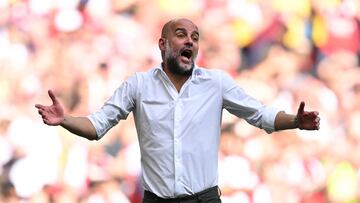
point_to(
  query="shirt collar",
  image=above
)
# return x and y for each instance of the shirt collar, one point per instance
(196, 71)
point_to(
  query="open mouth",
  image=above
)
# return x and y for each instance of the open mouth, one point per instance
(186, 55)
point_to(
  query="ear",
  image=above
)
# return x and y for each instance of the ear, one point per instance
(162, 44)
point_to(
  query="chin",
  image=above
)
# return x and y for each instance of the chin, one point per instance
(178, 67)
(187, 67)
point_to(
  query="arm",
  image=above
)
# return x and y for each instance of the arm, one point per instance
(80, 126)
(242, 105)
(285, 121)
(304, 120)
(54, 115)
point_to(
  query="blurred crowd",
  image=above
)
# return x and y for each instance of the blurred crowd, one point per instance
(281, 52)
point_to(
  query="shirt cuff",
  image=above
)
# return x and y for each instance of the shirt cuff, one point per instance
(99, 134)
(269, 120)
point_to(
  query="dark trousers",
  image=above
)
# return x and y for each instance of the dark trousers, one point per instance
(210, 195)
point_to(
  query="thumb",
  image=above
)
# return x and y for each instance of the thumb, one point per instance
(301, 108)
(53, 97)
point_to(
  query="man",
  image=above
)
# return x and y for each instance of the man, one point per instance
(177, 109)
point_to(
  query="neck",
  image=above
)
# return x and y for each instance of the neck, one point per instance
(176, 79)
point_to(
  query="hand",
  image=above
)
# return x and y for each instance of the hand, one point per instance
(307, 120)
(54, 114)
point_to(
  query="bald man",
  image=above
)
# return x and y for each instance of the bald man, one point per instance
(177, 108)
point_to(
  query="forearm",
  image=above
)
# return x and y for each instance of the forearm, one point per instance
(80, 126)
(285, 121)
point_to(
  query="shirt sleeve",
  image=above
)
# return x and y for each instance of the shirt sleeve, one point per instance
(240, 104)
(116, 108)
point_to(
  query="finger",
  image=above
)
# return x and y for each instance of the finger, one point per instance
(39, 106)
(46, 121)
(311, 114)
(315, 114)
(53, 97)
(42, 113)
(316, 123)
(301, 108)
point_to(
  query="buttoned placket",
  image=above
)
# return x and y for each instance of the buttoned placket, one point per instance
(177, 144)
(178, 151)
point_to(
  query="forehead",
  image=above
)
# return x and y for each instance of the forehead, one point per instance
(184, 24)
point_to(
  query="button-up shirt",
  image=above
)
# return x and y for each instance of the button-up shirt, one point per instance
(179, 132)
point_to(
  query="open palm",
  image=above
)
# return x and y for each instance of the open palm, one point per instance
(51, 115)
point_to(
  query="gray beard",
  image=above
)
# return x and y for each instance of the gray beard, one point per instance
(177, 69)
(174, 66)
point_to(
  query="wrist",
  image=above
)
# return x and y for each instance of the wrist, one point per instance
(64, 119)
(296, 122)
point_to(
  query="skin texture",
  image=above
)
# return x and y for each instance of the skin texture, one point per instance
(179, 36)
(304, 120)
(307, 120)
(179, 45)
(53, 115)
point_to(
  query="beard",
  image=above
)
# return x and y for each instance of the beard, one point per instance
(174, 65)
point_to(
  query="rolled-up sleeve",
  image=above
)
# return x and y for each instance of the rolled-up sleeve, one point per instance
(116, 108)
(240, 104)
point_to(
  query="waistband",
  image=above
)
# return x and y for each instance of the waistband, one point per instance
(213, 192)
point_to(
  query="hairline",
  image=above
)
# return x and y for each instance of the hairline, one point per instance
(166, 28)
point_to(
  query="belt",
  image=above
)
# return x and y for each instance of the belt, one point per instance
(206, 194)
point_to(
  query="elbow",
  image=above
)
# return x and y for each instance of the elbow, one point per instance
(93, 134)
(93, 137)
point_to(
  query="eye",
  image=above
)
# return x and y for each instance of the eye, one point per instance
(195, 38)
(181, 35)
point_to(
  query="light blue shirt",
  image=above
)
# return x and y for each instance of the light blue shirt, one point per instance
(179, 132)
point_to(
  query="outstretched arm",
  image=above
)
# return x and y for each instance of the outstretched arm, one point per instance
(304, 120)
(53, 115)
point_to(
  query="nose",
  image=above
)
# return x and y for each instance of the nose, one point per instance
(189, 42)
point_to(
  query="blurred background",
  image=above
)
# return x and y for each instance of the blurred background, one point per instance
(281, 52)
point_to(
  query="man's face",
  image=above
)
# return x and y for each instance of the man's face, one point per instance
(181, 47)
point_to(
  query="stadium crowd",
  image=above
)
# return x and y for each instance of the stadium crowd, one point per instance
(279, 51)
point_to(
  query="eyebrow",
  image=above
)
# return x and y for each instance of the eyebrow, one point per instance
(184, 30)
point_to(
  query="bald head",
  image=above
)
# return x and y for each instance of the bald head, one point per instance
(165, 29)
(179, 45)
(167, 26)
